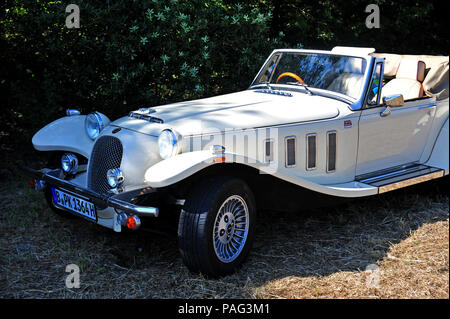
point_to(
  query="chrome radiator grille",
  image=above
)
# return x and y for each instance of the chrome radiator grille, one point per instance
(106, 154)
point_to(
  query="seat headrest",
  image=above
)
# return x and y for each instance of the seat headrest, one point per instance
(411, 69)
(355, 65)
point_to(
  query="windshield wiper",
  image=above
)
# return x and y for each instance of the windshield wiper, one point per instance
(267, 83)
(303, 85)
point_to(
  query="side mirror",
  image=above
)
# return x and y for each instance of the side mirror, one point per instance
(392, 101)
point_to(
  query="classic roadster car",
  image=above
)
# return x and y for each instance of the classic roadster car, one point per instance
(343, 123)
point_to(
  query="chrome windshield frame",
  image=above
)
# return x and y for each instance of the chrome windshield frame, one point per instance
(354, 103)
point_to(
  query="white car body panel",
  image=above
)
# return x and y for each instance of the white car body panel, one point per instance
(66, 134)
(439, 156)
(440, 117)
(206, 116)
(396, 139)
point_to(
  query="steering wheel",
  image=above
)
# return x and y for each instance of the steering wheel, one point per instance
(292, 75)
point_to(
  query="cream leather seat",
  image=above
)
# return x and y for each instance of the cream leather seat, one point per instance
(350, 81)
(408, 80)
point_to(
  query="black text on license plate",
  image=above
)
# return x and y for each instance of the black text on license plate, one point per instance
(74, 204)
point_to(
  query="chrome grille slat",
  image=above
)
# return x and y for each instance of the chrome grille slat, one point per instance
(106, 154)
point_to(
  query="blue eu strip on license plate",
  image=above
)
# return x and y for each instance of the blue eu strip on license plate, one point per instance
(73, 203)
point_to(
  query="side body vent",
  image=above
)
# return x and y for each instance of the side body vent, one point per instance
(290, 145)
(268, 150)
(331, 151)
(311, 151)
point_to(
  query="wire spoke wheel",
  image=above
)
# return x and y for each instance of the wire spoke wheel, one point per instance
(217, 226)
(231, 228)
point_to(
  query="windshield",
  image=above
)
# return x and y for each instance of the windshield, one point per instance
(341, 74)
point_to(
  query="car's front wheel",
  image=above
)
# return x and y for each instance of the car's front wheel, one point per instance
(216, 226)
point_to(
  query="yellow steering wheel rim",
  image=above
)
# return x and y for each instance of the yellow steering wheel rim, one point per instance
(292, 75)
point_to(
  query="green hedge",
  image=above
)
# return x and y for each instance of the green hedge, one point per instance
(127, 54)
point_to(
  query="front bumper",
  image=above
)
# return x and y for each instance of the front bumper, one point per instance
(121, 202)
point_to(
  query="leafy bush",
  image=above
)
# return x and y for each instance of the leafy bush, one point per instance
(134, 53)
(127, 54)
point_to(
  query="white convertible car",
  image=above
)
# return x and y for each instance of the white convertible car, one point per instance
(342, 123)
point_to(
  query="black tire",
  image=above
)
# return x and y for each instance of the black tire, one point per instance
(197, 220)
(60, 212)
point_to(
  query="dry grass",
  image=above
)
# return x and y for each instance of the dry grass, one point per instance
(420, 271)
(315, 254)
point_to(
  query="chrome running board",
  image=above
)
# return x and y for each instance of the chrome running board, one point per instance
(401, 177)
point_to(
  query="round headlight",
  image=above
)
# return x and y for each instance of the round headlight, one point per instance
(115, 177)
(69, 163)
(93, 125)
(168, 144)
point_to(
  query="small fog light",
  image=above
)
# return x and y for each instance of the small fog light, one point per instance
(115, 177)
(69, 163)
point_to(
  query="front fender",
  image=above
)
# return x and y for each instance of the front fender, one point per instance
(177, 168)
(66, 134)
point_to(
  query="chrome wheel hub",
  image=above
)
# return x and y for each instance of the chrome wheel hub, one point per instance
(231, 228)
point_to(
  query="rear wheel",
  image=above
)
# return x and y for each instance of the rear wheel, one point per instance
(216, 226)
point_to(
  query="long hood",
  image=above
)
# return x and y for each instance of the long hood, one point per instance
(242, 110)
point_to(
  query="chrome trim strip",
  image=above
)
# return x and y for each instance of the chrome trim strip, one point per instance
(373, 70)
(411, 181)
(278, 55)
(286, 139)
(100, 120)
(381, 176)
(307, 152)
(367, 176)
(427, 106)
(328, 151)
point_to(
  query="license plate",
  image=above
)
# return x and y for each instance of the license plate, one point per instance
(74, 204)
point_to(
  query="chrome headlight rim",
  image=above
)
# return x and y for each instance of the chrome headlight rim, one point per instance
(168, 144)
(114, 177)
(69, 163)
(93, 125)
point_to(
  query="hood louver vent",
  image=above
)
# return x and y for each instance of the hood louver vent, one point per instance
(145, 117)
(274, 92)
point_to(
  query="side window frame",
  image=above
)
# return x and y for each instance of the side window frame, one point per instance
(380, 85)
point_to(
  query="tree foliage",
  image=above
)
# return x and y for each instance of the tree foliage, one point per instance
(129, 54)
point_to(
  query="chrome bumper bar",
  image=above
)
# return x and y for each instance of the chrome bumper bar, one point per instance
(51, 177)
